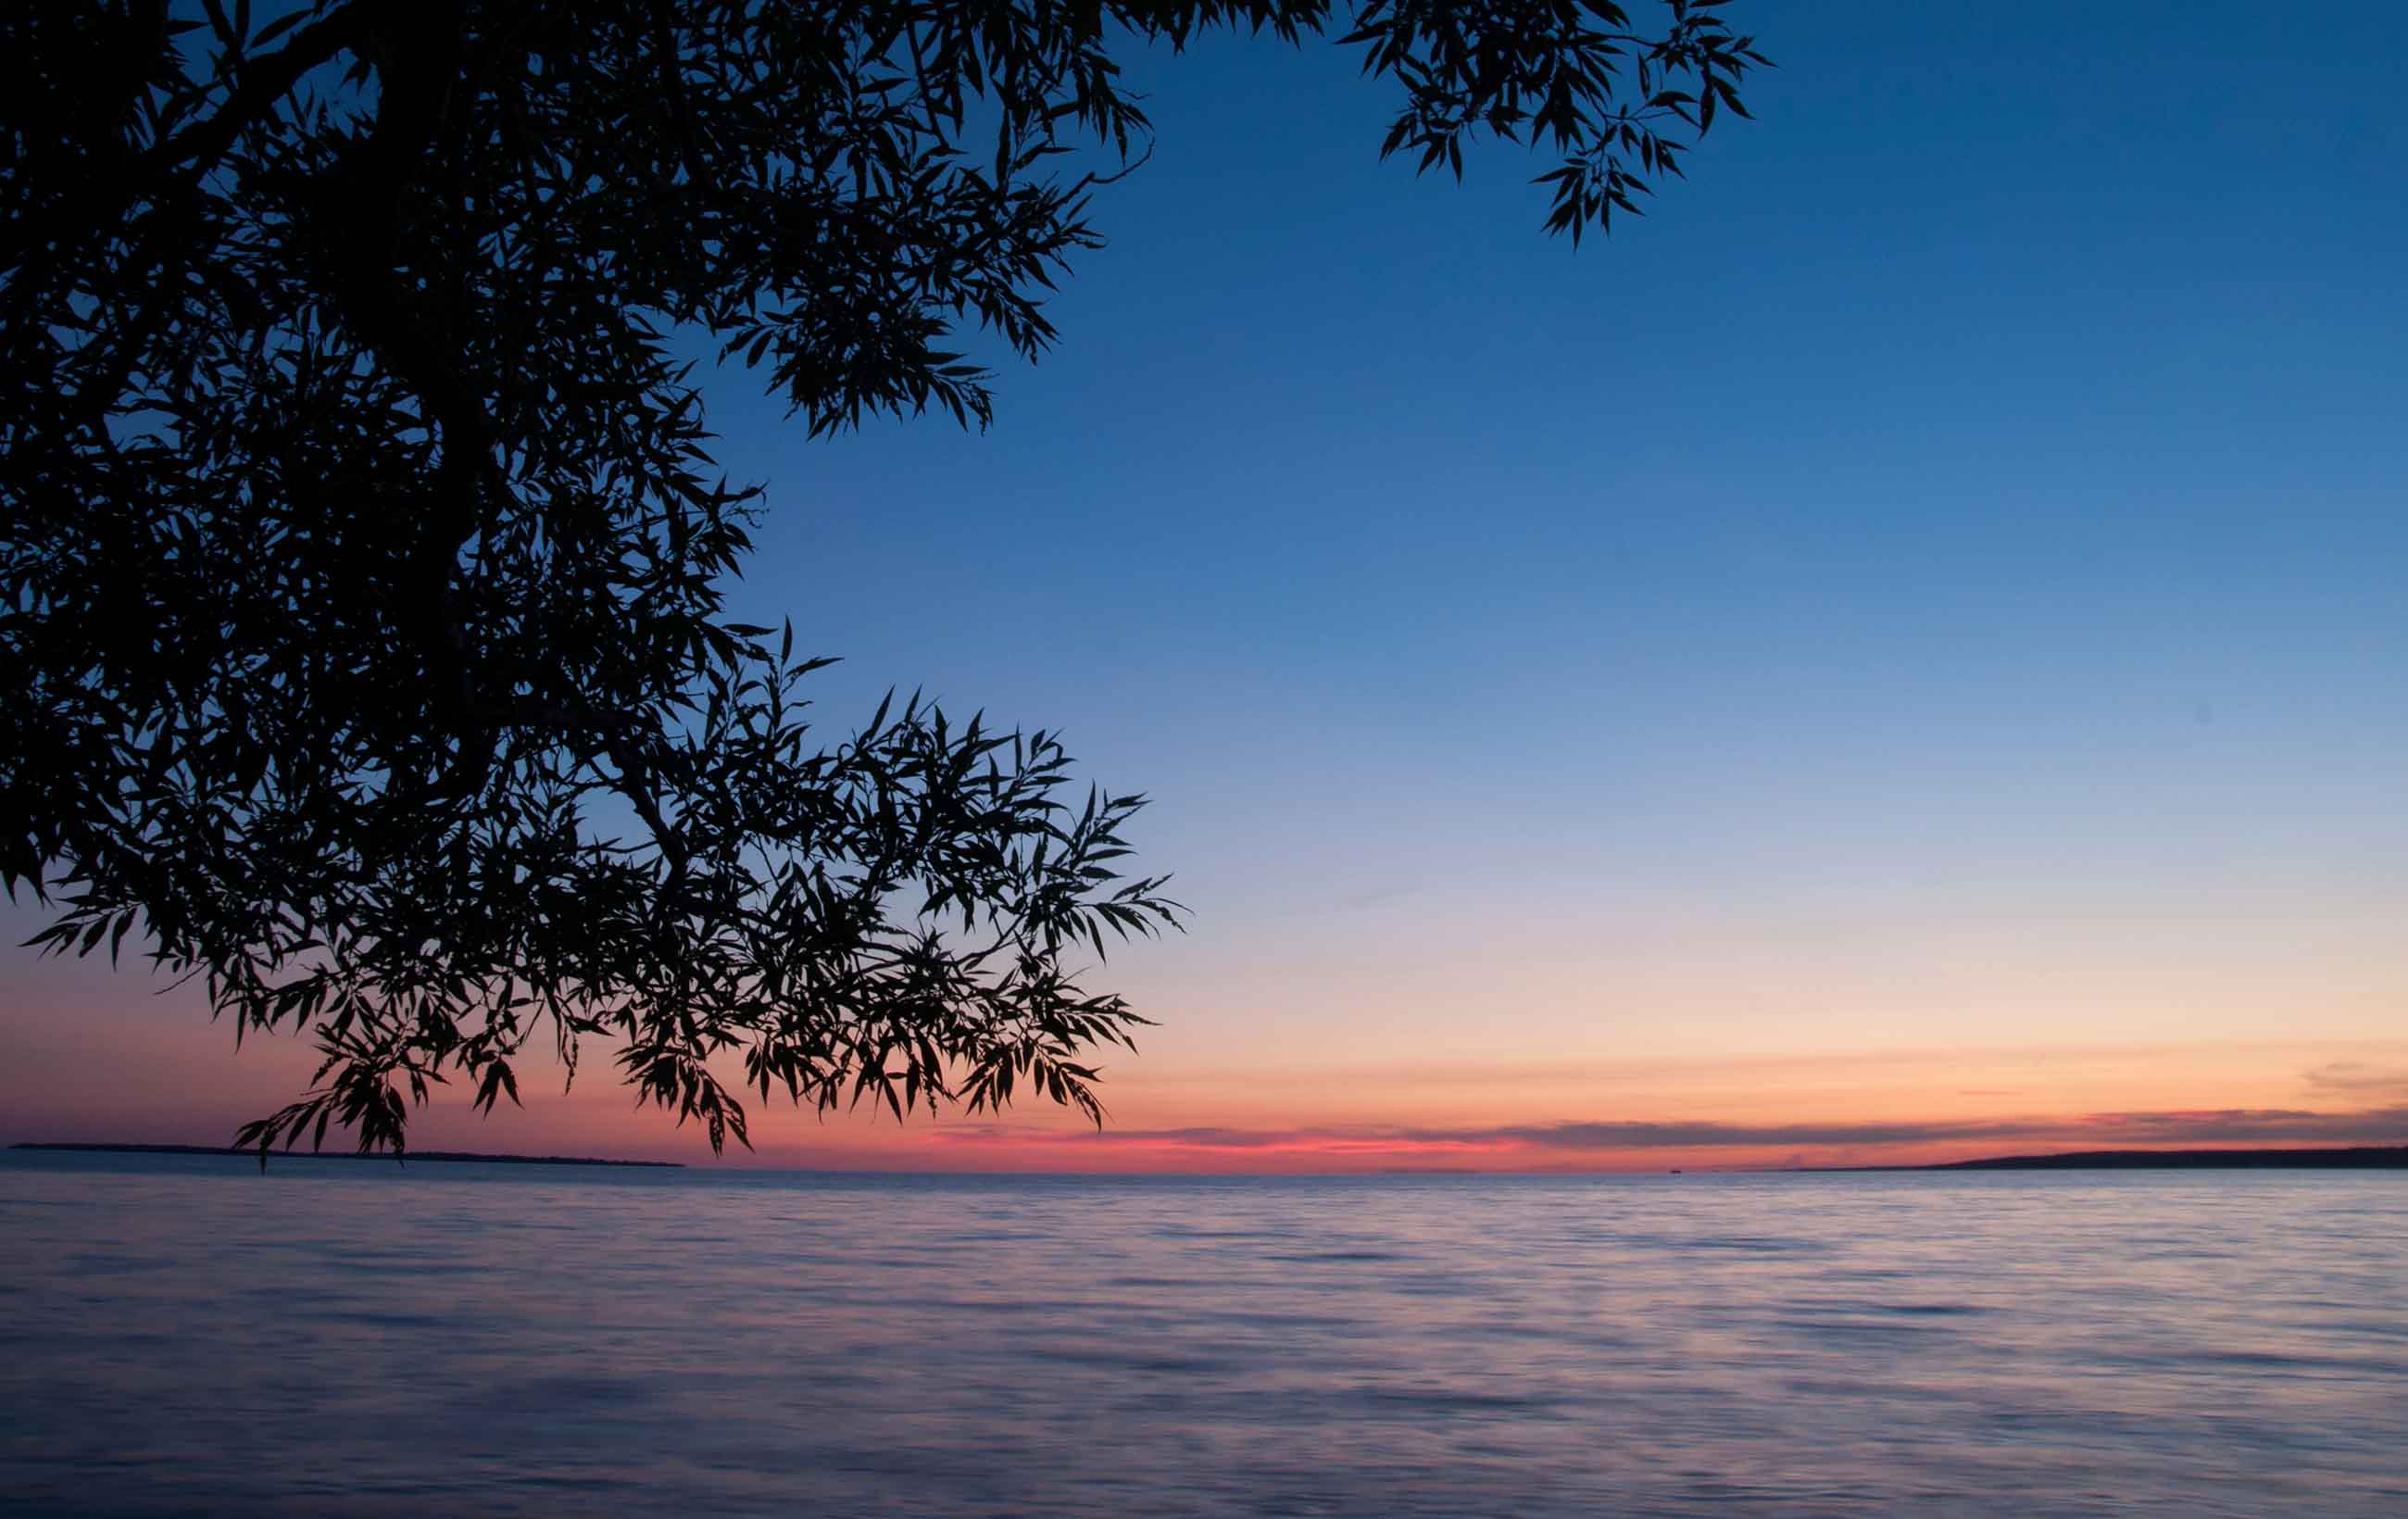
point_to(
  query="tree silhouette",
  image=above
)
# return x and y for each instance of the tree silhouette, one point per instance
(363, 551)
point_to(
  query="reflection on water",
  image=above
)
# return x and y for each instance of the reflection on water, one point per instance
(181, 1333)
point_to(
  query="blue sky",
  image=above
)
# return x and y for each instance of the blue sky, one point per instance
(1973, 495)
(1934, 585)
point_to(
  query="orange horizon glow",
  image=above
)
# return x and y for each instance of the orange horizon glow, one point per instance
(142, 1072)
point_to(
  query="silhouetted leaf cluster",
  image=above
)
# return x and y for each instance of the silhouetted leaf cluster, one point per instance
(362, 640)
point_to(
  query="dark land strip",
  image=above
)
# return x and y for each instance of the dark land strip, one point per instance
(2354, 1158)
(349, 1154)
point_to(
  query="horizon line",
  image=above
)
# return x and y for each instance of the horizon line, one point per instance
(2124, 1157)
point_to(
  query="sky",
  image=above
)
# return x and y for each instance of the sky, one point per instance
(1900, 653)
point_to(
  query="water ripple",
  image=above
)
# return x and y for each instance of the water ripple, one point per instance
(183, 1335)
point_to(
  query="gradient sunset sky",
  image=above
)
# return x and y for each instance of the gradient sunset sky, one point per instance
(1902, 654)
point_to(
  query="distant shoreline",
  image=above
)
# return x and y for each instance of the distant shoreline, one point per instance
(347, 1155)
(2353, 1158)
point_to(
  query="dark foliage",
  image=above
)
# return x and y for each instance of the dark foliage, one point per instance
(361, 638)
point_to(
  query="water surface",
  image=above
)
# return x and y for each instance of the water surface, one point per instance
(181, 1334)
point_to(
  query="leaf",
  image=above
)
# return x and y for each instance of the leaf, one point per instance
(373, 637)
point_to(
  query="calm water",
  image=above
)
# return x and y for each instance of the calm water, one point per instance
(187, 1335)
